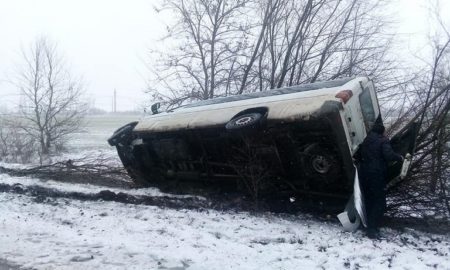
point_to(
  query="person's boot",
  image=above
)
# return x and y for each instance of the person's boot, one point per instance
(373, 233)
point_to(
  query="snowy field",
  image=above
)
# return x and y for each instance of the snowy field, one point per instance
(59, 233)
(97, 131)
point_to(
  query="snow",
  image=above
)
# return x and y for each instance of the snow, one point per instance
(73, 234)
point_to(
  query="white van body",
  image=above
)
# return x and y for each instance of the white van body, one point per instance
(289, 107)
(303, 137)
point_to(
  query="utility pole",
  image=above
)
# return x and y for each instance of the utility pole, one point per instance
(115, 101)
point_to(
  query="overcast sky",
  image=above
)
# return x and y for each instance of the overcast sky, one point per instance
(106, 41)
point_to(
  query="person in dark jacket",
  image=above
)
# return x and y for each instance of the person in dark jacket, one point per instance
(376, 153)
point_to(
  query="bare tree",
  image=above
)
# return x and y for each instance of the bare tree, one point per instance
(227, 47)
(15, 145)
(426, 190)
(51, 99)
(252, 170)
(209, 38)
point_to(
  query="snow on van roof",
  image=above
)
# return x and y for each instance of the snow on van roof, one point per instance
(274, 92)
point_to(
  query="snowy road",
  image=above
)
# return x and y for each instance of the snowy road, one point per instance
(61, 233)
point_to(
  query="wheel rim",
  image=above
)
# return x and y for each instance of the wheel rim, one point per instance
(321, 164)
(244, 121)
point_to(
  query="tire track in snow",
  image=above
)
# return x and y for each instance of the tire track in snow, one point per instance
(43, 194)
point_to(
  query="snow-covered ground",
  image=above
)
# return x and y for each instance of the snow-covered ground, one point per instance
(71, 234)
(98, 129)
(62, 233)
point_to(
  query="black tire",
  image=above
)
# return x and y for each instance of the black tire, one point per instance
(319, 162)
(122, 134)
(244, 121)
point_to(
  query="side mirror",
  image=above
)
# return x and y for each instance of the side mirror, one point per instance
(155, 107)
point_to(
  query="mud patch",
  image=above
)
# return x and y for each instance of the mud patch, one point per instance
(5, 265)
(46, 195)
(77, 172)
